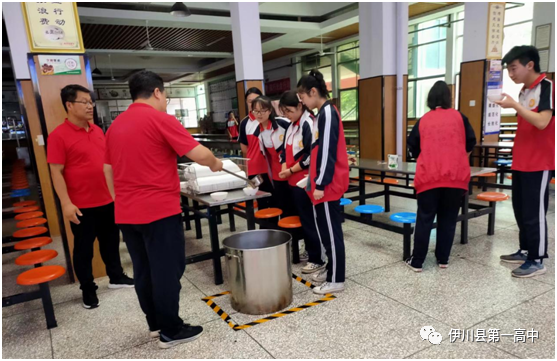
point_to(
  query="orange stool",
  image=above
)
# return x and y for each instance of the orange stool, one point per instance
(26, 209)
(291, 223)
(32, 243)
(268, 213)
(38, 276)
(552, 181)
(509, 177)
(35, 258)
(367, 178)
(492, 198)
(28, 215)
(390, 181)
(483, 178)
(25, 204)
(30, 232)
(31, 222)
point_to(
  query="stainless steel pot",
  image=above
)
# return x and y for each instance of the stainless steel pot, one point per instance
(259, 271)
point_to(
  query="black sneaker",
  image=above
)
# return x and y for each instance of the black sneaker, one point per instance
(90, 299)
(123, 282)
(188, 333)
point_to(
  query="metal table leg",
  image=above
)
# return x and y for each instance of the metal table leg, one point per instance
(215, 246)
(250, 217)
(197, 221)
(231, 218)
(464, 224)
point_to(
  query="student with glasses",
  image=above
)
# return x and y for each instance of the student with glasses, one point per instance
(76, 151)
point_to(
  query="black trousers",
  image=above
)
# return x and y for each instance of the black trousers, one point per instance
(283, 199)
(530, 202)
(158, 253)
(266, 186)
(97, 222)
(328, 220)
(445, 204)
(305, 211)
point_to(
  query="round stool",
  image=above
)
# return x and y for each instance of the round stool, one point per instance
(492, 198)
(243, 204)
(27, 209)
(32, 243)
(406, 218)
(30, 232)
(33, 222)
(28, 215)
(345, 202)
(36, 257)
(268, 213)
(390, 181)
(293, 222)
(369, 209)
(25, 204)
(290, 222)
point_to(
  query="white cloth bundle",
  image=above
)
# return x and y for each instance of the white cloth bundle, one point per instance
(196, 171)
(222, 181)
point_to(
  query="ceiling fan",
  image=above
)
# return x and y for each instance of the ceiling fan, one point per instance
(322, 52)
(146, 46)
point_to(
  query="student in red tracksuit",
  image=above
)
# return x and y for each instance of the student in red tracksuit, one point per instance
(296, 159)
(249, 142)
(441, 141)
(328, 179)
(232, 126)
(271, 133)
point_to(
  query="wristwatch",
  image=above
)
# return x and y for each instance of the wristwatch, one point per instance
(291, 171)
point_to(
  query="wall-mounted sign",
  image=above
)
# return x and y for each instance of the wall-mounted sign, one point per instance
(180, 92)
(494, 87)
(277, 86)
(496, 23)
(59, 64)
(53, 27)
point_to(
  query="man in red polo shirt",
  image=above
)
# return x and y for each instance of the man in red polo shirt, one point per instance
(533, 157)
(76, 157)
(141, 170)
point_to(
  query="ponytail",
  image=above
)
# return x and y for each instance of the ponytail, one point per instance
(290, 99)
(313, 80)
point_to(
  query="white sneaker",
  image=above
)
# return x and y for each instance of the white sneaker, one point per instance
(312, 267)
(155, 334)
(320, 276)
(329, 287)
(304, 257)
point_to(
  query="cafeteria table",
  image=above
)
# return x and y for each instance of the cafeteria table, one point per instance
(206, 207)
(403, 173)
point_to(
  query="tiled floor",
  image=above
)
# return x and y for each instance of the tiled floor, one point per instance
(378, 316)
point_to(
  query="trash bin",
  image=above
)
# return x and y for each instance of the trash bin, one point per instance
(259, 271)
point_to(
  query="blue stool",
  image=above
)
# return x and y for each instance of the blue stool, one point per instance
(20, 193)
(501, 164)
(368, 210)
(344, 202)
(406, 218)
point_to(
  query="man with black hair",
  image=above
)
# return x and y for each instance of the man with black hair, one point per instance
(141, 171)
(533, 157)
(76, 150)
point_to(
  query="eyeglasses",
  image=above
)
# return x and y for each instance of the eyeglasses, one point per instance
(85, 102)
(259, 112)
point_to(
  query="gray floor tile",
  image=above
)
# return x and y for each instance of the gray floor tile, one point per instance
(347, 327)
(218, 341)
(462, 295)
(537, 314)
(461, 350)
(25, 336)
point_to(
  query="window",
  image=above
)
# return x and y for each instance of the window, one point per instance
(517, 31)
(185, 110)
(321, 63)
(349, 105)
(348, 73)
(427, 43)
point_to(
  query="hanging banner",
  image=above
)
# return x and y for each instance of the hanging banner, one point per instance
(53, 27)
(59, 64)
(494, 91)
(496, 23)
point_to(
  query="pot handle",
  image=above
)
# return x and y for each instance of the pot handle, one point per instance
(232, 256)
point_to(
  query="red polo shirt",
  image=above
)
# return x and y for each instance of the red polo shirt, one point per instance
(142, 147)
(534, 149)
(81, 152)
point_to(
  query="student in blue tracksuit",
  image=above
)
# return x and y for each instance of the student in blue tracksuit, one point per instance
(295, 160)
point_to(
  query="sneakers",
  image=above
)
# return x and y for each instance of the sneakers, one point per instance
(321, 276)
(329, 287)
(408, 262)
(188, 333)
(90, 299)
(442, 265)
(155, 334)
(529, 269)
(304, 256)
(312, 267)
(123, 282)
(517, 257)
